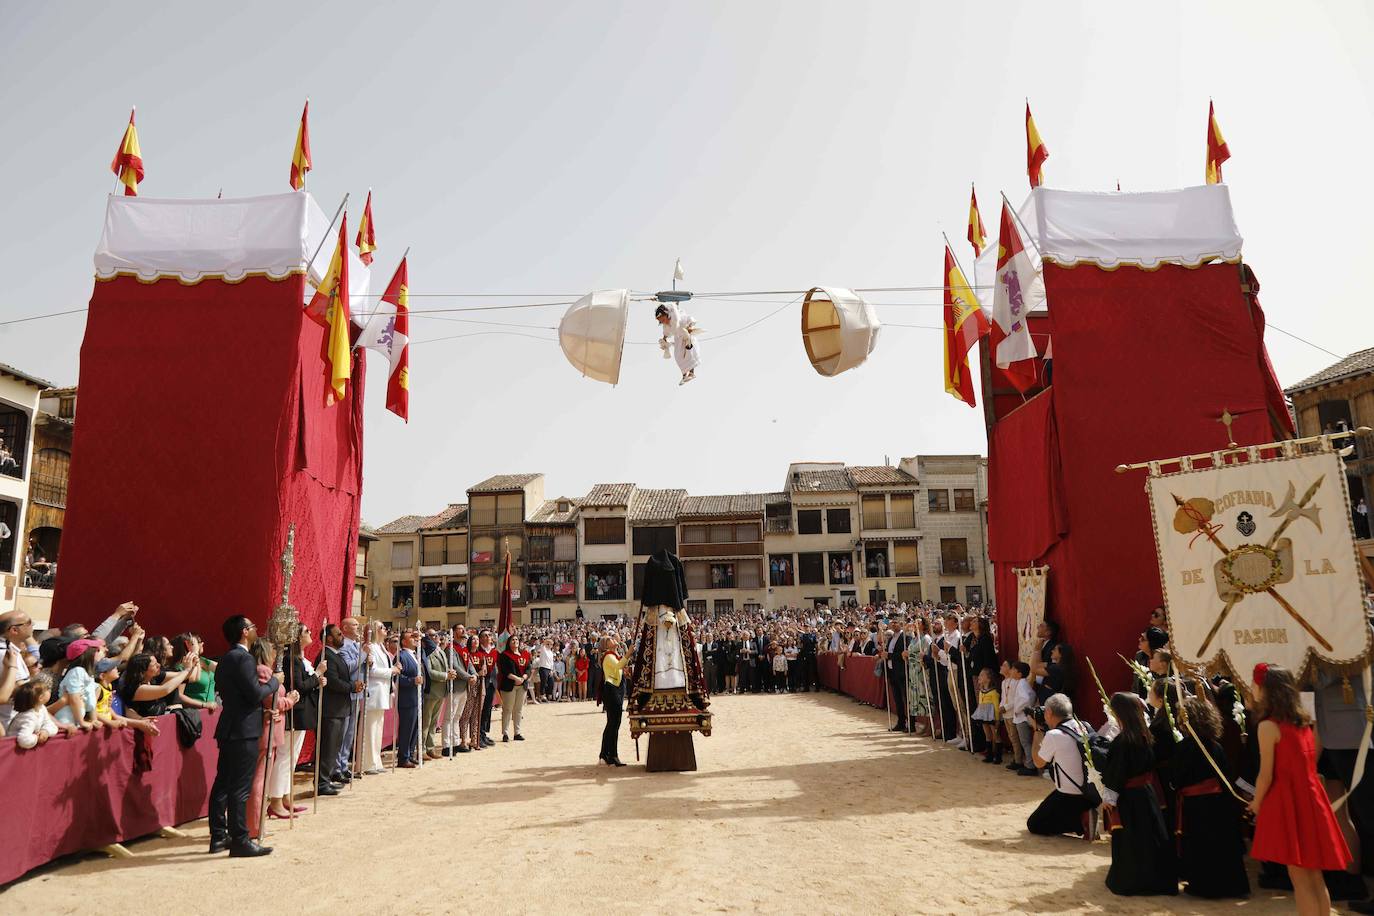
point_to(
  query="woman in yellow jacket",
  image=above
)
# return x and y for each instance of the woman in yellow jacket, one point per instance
(612, 698)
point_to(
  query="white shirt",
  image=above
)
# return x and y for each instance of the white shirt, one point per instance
(1062, 751)
(21, 674)
(1022, 698)
(27, 725)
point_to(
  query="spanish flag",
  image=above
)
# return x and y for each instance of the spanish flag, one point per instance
(128, 160)
(398, 383)
(1036, 153)
(300, 159)
(329, 309)
(367, 235)
(1217, 151)
(977, 235)
(964, 324)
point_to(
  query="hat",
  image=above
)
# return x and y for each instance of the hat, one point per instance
(53, 649)
(75, 650)
(106, 664)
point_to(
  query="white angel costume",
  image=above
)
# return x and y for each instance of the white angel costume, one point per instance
(677, 334)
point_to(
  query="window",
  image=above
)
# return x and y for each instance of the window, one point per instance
(947, 595)
(910, 592)
(510, 508)
(939, 500)
(722, 575)
(875, 512)
(906, 560)
(483, 591)
(780, 569)
(694, 534)
(697, 574)
(749, 573)
(456, 548)
(638, 572)
(541, 615)
(51, 470)
(811, 568)
(541, 548)
(360, 561)
(725, 606)
(903, 510)
(695, 609)
(482, 511)
(973, 594)
(456, 593)
(649, 539)
(752, 607)
(722, 534)
(808, 521)
(837, 521)
(403, 596)
(9, 517)
(432, 554)
(484, 549)
(876, 564)
(14, 440)
(954, 557)
(564, 506)
(963, 501)
(431, 593)
(747, 534)
(66, 407)
(841, 569)
(565, 546)
(515, 544)
(606, 581)
(605, 530)
(402, 554)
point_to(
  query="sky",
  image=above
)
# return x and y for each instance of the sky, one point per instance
(543, 148)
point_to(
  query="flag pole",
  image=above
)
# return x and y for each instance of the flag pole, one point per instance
(328, 230)
(1024, 231)
(134, 108)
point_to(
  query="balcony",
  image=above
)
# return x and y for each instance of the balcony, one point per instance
(552, 591)
(50, 491)
(778, 525)
(702, 551)
(41, 576)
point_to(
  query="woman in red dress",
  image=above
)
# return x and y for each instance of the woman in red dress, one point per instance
(1294, 825)
(582, 666)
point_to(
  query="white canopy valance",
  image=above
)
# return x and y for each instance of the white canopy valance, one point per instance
(228, 239)
(592, 333)
(1111, 229)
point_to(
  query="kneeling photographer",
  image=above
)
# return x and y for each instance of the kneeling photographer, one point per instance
(1058, 744)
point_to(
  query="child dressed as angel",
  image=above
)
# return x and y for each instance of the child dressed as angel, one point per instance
(679, 329)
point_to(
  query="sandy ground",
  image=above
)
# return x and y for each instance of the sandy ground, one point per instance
(802, 803)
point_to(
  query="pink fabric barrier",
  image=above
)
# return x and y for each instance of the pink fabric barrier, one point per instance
(87, 791)
(80, 793)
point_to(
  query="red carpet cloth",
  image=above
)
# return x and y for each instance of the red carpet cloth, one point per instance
(1144, 363)
(203, 437)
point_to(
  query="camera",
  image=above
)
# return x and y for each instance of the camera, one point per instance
(1037, 714)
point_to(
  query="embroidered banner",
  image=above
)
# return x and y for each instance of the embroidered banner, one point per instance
(1030, 607)
(1258, 563)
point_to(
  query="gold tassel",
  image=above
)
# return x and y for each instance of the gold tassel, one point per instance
(1347, 692)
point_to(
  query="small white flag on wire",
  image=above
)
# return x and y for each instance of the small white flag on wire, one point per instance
(678, 272)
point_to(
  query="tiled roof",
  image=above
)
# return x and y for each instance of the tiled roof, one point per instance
(503, 483)
(454, 515)
(740, 504)
(406, 524)
(609, 494)
(1358, 363)
(656, 505)
(33, 380)
(548, 513)
(776, 499)
(828, 481)
(878, 476)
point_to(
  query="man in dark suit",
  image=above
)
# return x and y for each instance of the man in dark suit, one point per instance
(237, 734)
(893, 653)
(409, 683)
(763, 663)
(338, 706)
(806, 655)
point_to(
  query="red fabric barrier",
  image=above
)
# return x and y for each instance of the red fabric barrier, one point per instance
(1145, 362)
(203, 437)
(857, 681)
(87, 791)
(828, 670)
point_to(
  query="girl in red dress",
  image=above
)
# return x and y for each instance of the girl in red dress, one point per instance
(1294, 824)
